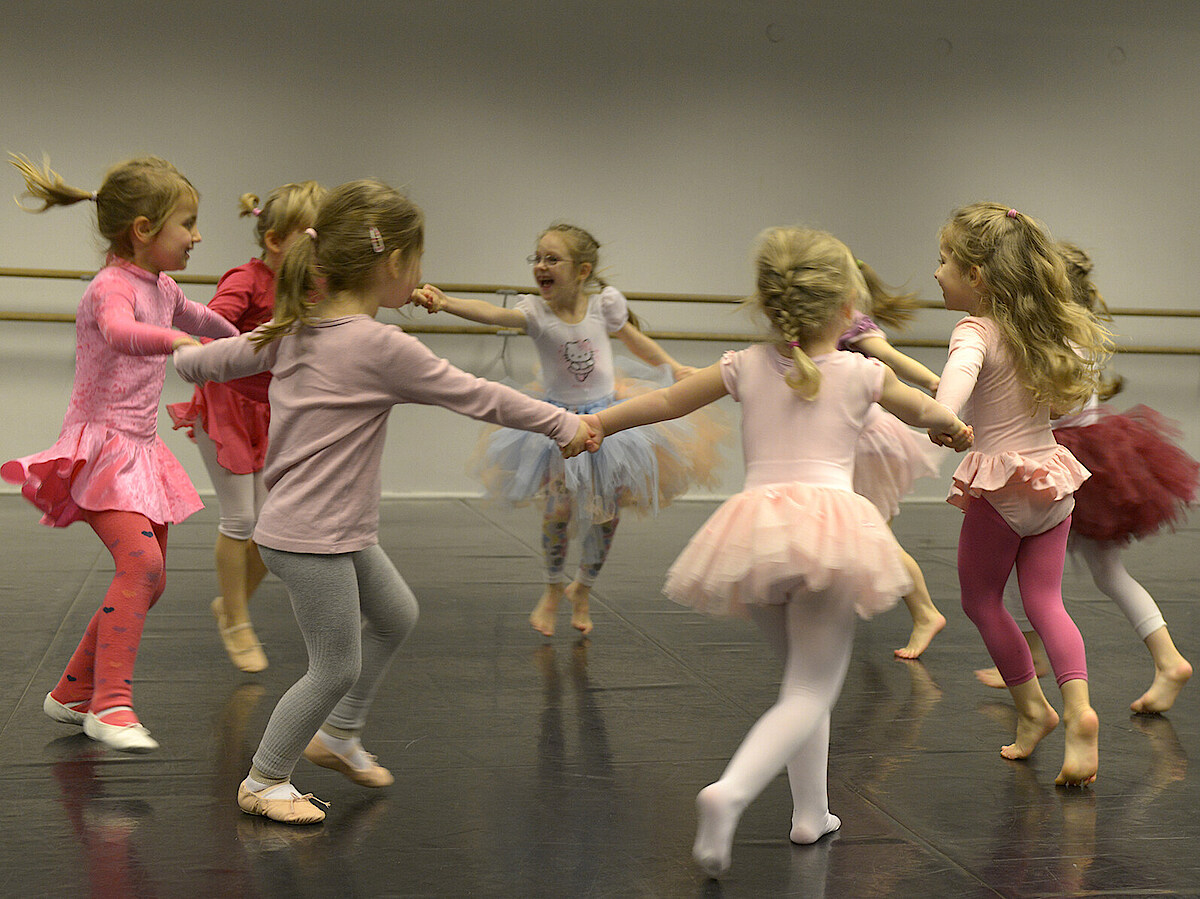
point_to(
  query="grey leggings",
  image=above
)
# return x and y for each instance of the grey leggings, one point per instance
(354, 610)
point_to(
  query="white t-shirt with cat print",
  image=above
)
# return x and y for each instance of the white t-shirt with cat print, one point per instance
(577, 362)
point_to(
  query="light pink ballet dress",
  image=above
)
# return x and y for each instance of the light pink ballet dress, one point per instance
(890, 455)
(1015, 463)
(797, 525)
(108, 455)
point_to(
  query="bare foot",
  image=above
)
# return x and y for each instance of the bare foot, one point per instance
(581, 616)
(990, 677)
(922, 635)
(543, 614)
(1031, 729)
(1162, 693)
(1081, 758)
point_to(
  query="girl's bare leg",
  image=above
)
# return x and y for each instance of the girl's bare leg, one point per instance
(1081, 758)
(1171, 672)
(927, 620)
(1035, 719)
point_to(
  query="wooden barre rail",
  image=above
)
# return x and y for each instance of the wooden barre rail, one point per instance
(709, 336)
(64, 317)
(70, 275)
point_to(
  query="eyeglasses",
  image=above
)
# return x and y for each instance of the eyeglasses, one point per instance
(548, 261)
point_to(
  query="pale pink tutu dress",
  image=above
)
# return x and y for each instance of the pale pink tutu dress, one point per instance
(797, 525)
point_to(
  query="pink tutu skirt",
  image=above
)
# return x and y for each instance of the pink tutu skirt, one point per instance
(236, 423)
(1141, 479)
(888, 457)
(767, 542)
(93, 467)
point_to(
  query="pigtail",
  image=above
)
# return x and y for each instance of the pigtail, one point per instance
(296, 283)
(248, 205)
(806, 379)
(46, 185)
(884, 304)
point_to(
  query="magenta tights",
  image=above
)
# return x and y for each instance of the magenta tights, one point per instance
(987, 550)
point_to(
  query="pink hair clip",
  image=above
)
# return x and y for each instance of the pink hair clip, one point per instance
(311, 232)
(1012, 213)
(376, 240)
(256, 212)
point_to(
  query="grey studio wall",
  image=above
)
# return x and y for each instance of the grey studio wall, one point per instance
(675, 131)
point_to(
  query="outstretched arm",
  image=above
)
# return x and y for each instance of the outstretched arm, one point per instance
(682, 397)
(920, 410)
(647, 349)
(902, 364)
(434, 300)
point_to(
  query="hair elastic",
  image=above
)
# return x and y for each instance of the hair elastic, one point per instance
(94, 196)
(376, 240)
(256, 212)
(1012, 213)
(311, 232)
(795, 344)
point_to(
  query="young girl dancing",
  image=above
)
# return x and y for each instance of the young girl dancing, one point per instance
(1025, 351)
(797, 550)
(229, 422)
(570, 323)
(1141, 481)
(889, 456)
(336, 373)
(109, 467)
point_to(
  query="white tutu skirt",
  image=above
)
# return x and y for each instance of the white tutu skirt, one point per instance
(767, 542)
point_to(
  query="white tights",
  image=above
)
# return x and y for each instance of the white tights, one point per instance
(1110, 577)
(814, 634)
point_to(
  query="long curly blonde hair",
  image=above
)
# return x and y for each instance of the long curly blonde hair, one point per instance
(1058, 347)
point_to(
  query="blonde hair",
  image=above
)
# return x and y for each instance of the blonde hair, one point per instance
(146, 186)
(288, 208)
(884, 304)
(1057, 346)
(357, 225)
(1086, 294)
(804, 278)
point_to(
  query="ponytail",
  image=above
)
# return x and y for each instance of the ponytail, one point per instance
(296, 282)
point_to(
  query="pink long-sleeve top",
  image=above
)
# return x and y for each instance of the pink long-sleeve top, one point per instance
(1015, 462)
(333, 386)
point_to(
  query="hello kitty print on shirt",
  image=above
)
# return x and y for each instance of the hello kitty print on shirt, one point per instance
(581, 358)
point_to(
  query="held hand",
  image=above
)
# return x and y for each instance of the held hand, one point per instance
(578, 443)
(183, 341)
(958, 439)
(430, 297)
(596, 435)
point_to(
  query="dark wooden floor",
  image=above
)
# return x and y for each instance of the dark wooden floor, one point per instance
(553, 767)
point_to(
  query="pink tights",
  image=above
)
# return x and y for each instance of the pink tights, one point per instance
(100, 673)
(987, 551)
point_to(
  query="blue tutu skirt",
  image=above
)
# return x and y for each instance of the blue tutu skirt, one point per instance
(643, 468)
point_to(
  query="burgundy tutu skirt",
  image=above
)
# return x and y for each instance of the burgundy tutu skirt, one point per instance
(766, 543)
(1141, 479)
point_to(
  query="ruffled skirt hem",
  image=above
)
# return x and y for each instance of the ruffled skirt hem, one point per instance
(236, 424)
(763, 544)
(92, 467)
(1054, 477)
